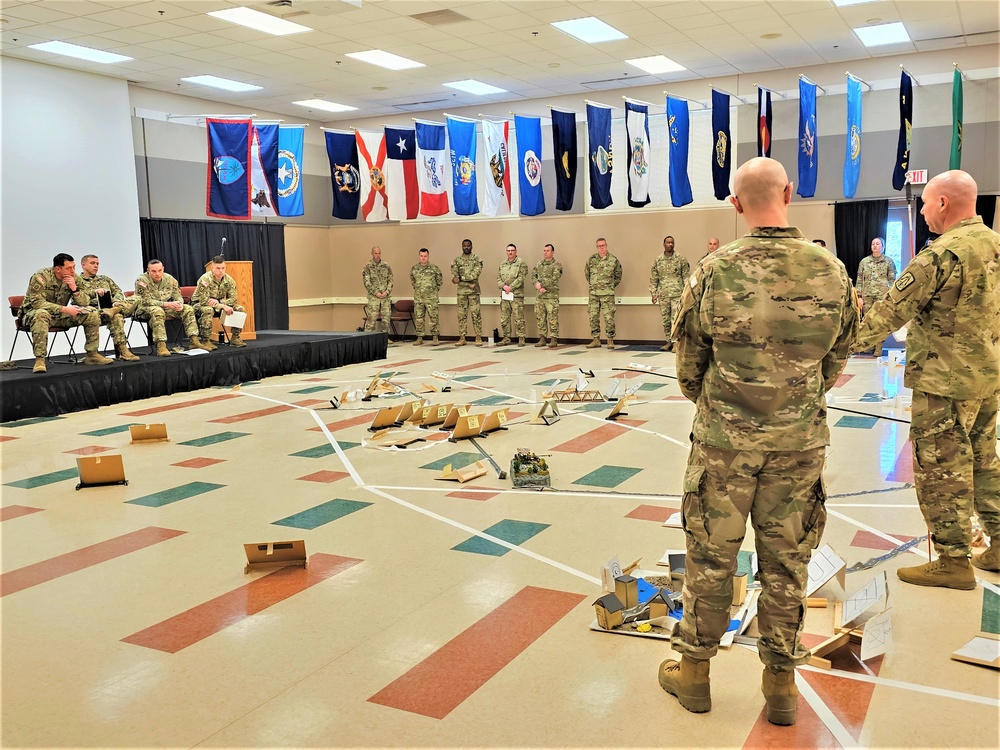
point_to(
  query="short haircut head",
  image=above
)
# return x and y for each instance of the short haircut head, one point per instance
(511, 245)
(550, 246)
(87, 257)
(218, 259)
(668, 237)
(760, 184)
(61, 259)
(423, 250)
(154, 262)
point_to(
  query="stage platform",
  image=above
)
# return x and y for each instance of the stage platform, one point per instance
(68, 387)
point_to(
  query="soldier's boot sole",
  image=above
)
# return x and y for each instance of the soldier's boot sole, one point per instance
(479, 340)
(504, 341)
(687, 680)
(595, 344)
(990, 559)
(39, 365)
(161, 349)
(945, 572)
(197, 343)
(781, 696)
(435, 342)
(521, 341)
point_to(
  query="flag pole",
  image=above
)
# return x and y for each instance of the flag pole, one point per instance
(740, 99)
(562, 109)
(809, 80)
(849, 74)
(349, 131)
(686, 99)
(912, 77)
(225, 117)
(638, 101)
(782, 94)
(599, 104)
(955, 64)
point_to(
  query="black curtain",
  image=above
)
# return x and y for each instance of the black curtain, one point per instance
(986, 206)
(856, 224)
(186, 246)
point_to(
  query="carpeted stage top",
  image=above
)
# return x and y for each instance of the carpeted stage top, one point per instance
(67, 387)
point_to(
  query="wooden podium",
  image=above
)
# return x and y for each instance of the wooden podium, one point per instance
(242, 273)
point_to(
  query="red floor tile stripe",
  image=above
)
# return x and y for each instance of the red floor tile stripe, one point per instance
(903, 470)
(181, 405)
(232, 419)
(345, 423)
(590, 440)
(16, 511)
(466, 494)
(404, 363)
(5, 438)
(473, 366)
(198, 463)
(215, 615)
(808, 731)
(442, 681)
(658, 513)
(550, 368)
(89, 450)
(843, 379)
(71, 562)
(869, 540)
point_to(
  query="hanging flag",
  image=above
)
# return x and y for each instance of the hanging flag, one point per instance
(462, 135)
(496, 196)
(905, 128)
(342, 148)
(290, 171)
(599, 145)
(432, 169)
(679, 127)
(808, 155)
(264, 170)
(764, 117)
(721, 156)
(637, 141)
(228, 190)
(529, 160)
(852, 157)
(401, 173)
(564, 155)
(371, 167)
(955, 161)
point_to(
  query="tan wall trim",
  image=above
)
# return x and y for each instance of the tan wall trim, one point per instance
(317, 301)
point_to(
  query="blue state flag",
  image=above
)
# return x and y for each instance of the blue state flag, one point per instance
(462, 135)
(852, 155)
(808, 143)
(229, 143)
(564, 156)
(721, 144)
(529, 159)
(679, 126)
(342, 148)
(905, 128)
(599, 146)
(290, 171)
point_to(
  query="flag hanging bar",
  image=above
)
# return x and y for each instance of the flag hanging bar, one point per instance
(562, 109)
(268, 122)
(912, 77)
(960, 71)
(862, 81)
(502, 118)
(779, 93)
(686, 99)
(350, 130)
(459, 117)
(218, 117)
(809, 80)
(599, 104)
(638, 101)
(740, 99)
(426, 122)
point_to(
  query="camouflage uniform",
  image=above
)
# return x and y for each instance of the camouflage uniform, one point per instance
(547, 273)
(875, 276)
(378, 278)
(950, 293)
(512, 274)
(152, 295)
(121, 306)
(426, 282)
(603, 275)
(764, 330)
(467, 268)
(223, 290)
(42, 308)
(666, 283)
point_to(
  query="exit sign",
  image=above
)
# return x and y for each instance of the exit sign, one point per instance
(917, 176)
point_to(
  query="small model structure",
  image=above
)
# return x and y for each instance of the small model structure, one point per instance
(528, 470)
(627, 590)
(661, 604)
(609, 611)
(148, 433)
(464, 474)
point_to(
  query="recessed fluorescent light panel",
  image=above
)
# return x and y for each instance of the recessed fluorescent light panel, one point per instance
(475, 87)
(885, 33)
(385, 59)
(590, 30)
(82, 53)
(325, 105)
(254, 19)
(221, 83)
(656, 64)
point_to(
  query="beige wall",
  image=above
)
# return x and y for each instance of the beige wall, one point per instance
(324, 263)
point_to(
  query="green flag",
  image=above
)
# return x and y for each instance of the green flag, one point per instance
(956, 128)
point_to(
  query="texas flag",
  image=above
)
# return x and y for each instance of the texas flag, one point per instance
(371, 168)
(433, 167)
(401, 173)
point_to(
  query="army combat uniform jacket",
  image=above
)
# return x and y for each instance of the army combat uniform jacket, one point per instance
(426, 281)
(512, 274)
(467, 268)
(153, 294)
(603, 274)
(547, 273)
(46, 292)
(875, 276)
(377, 278)
(208, 287)
(667, 277)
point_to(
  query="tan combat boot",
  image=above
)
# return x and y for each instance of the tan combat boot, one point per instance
(541, 341)
(96, 358)
(990, 559)
(419, 341)
(39, 365)
(461, 341)
(781, 694)
(687, 679)
(435, 341)
(207, 341)
(521, 341)
(611, 343)
(504, 341)
(479, 340)
(553, 343)
(126, 354)
(595, 344)
(161, 349)
(197, 343)
(234, 340)
(667, 347)
(948, 572)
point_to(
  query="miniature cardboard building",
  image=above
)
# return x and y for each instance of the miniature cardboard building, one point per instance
(466, 427)
(266, 555)
(547, 414)
(661, 604)
(739, 588)
(409, 409)
(618, 409)
(401, 438)
(100, 471)
(387, 416)
(627, 590)
(148, 433)
(609, 610)
(457, 411)
(464, 474)
(435, 414)
(496, 420)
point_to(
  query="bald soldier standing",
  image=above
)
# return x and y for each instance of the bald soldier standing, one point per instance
(950, 296)
(764, 330)
(377, 277)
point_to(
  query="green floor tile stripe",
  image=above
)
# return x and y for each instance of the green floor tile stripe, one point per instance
(608, 476)
(110, 430)
(314, 389)
(29, 422)
(991, 612)
(858, 423)
(322, 514)
(220, 437)
(515, 532)
(573, 352)
(175, 494)
(650, 386)
(491, 400)
(457, 461)
(43, 479)
(468, 378)
(322, 451)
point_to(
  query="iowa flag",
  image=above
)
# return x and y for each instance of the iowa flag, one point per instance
(462, 136)
(432, 168)
(228, 189)
(401, 173)
(371, 166)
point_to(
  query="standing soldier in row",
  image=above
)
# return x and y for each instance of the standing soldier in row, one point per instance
(377, 277)
(160, 300)
(666, 283)
(604, 273)
(110, 302)
(426, 279)
(465, 271)
(876, 273)
(510, 280)
(214, 293)
(546, 276)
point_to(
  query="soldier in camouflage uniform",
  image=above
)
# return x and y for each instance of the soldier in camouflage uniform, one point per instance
(55, 297)
(377, 277)
(950, 295)
(510, 279)
(214, 293)
(426, 279)
(465, 271)
(666, 282)
(98, 286)
(546, 277)
(876, 273)
(160, 300)
(604, 273)
(765, 328)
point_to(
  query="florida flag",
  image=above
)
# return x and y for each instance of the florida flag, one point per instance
(401, 173)
(433, 164)
(496, 197)
(371, 168)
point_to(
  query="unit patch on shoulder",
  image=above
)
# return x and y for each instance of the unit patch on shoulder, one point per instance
(904, 281)
(693, 281)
